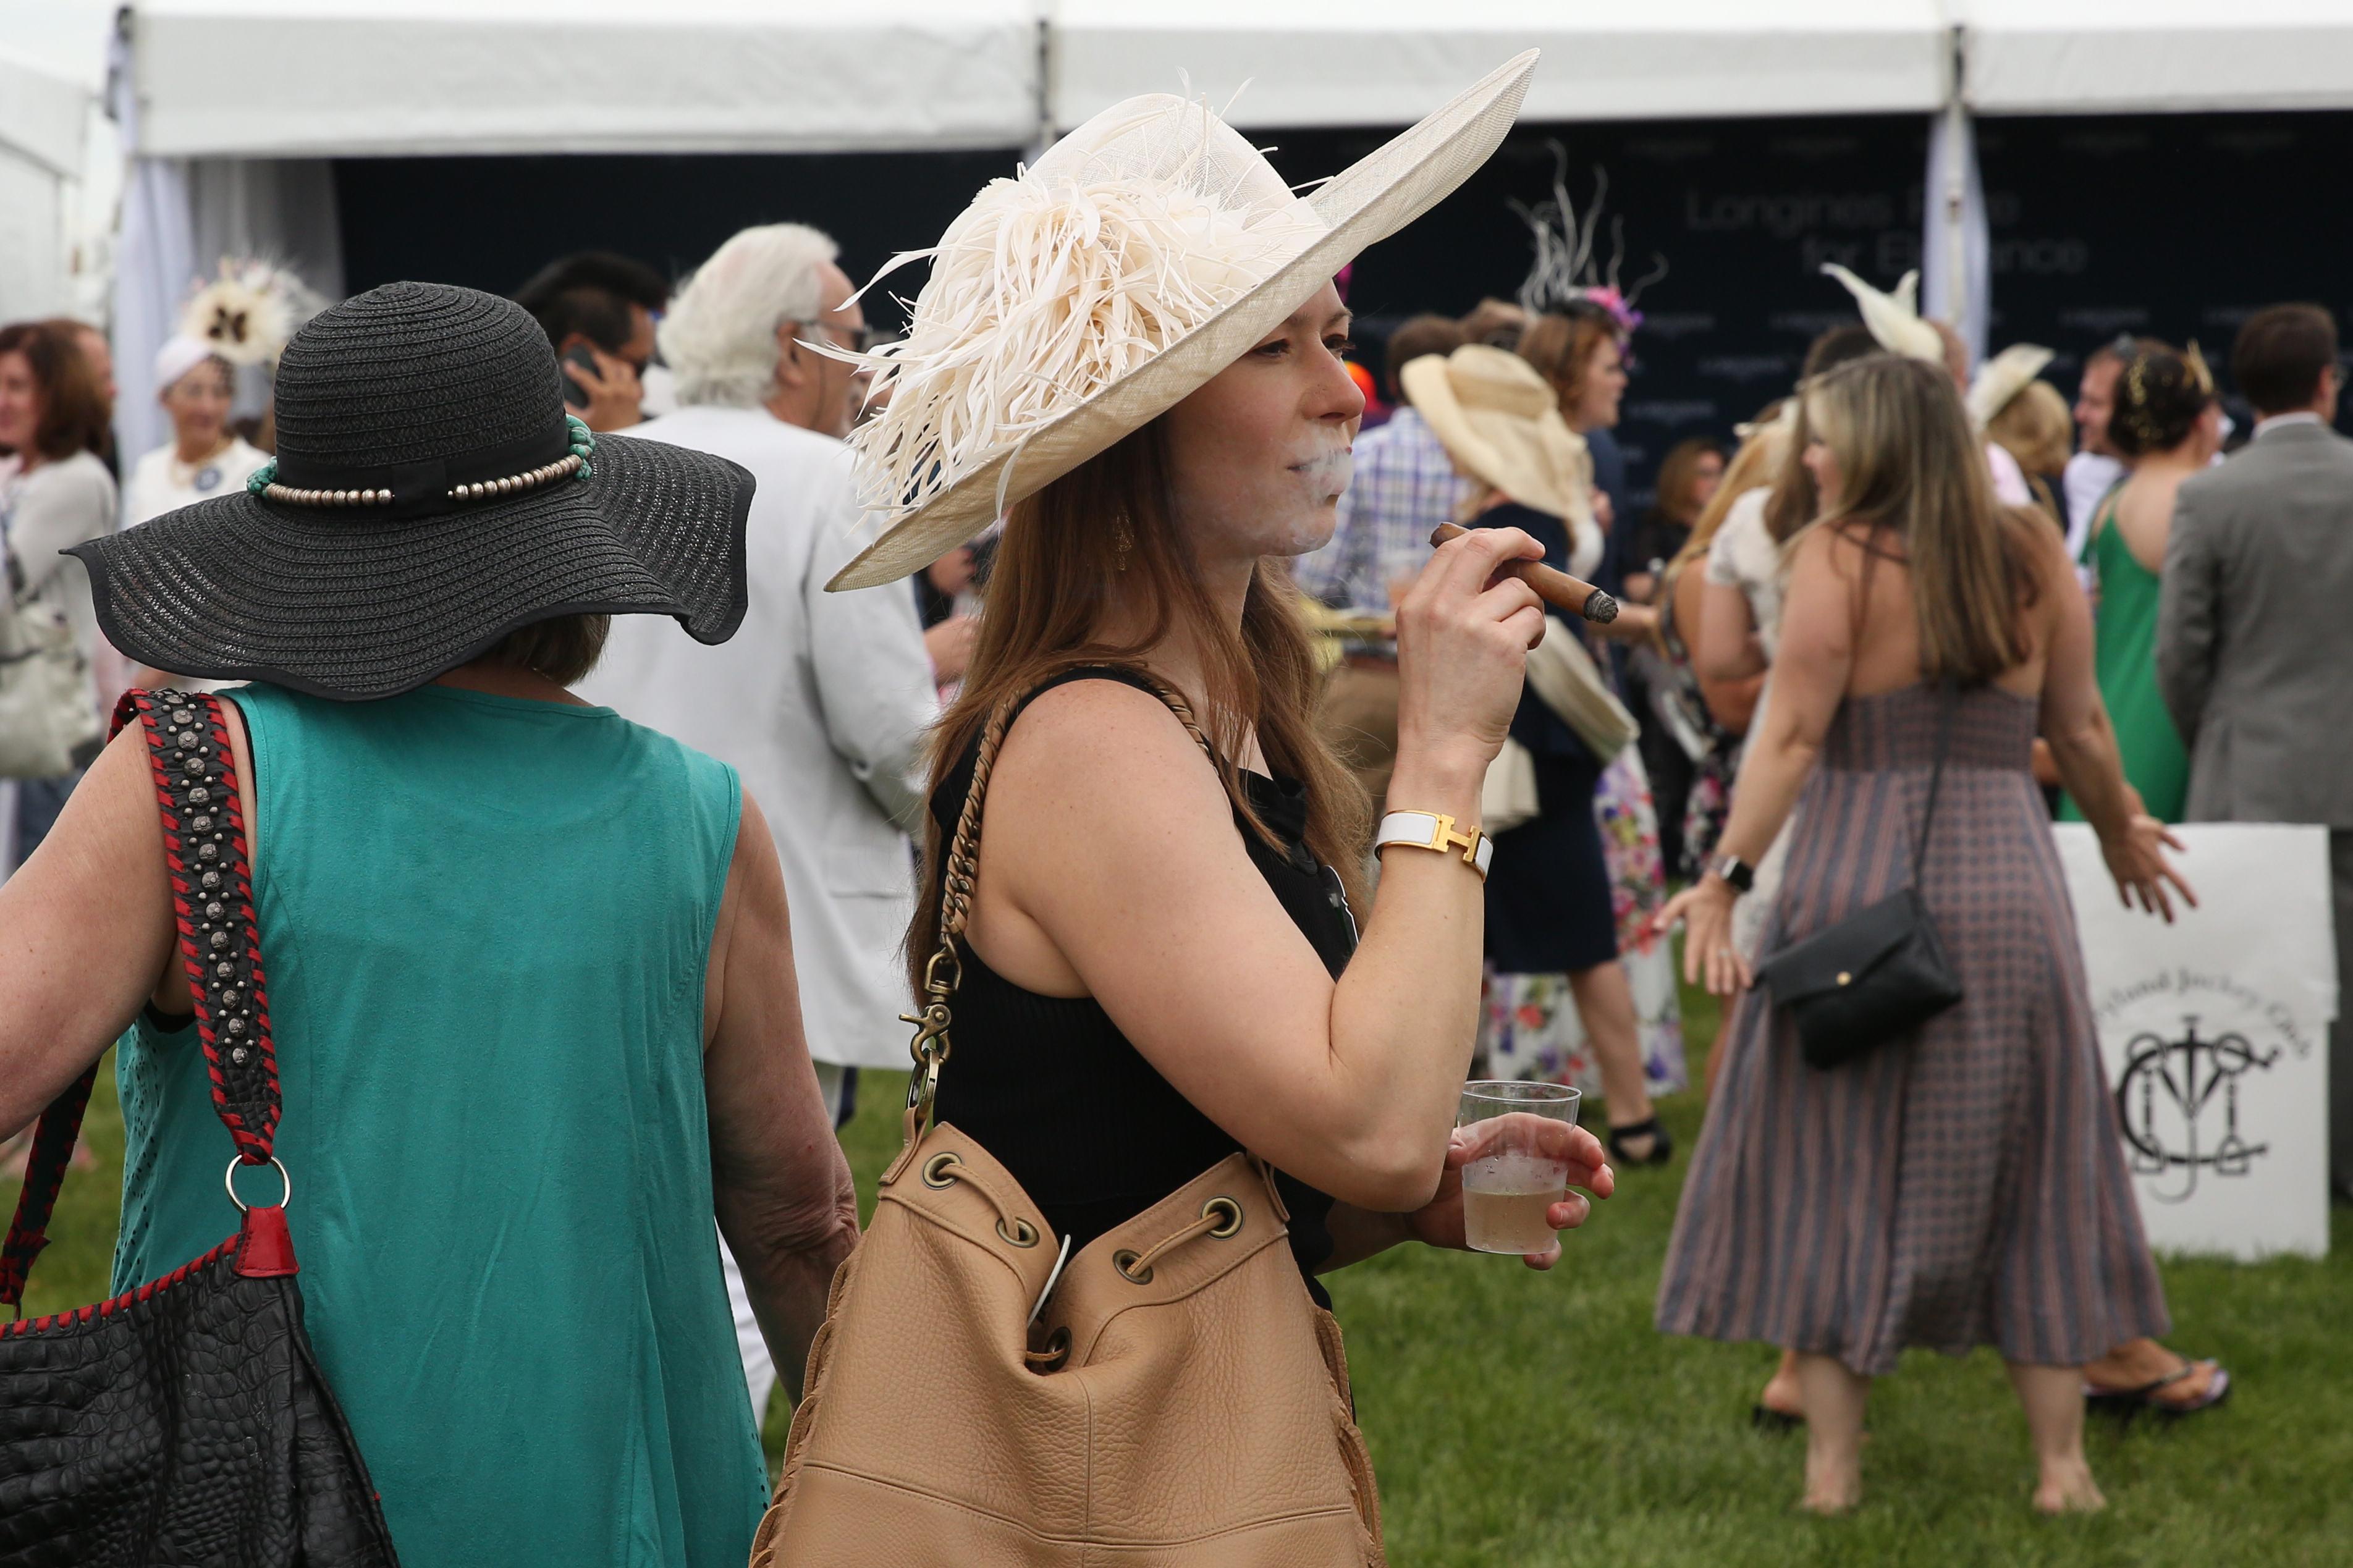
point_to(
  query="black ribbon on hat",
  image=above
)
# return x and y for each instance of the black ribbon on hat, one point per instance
(421, 489)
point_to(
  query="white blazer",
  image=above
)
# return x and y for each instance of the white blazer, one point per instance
(820, 703)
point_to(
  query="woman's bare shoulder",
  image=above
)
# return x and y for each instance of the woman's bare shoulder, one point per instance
(1103, 749)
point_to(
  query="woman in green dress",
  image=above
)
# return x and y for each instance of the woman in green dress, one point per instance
(529, 972)
(2167, 426)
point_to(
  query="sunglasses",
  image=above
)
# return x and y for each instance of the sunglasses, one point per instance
(862, 339)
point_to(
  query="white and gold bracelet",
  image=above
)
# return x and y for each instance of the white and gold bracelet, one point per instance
(1434, 830)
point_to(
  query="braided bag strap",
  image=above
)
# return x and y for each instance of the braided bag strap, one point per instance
(206, 856)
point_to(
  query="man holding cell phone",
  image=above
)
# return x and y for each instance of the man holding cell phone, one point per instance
(599, 312)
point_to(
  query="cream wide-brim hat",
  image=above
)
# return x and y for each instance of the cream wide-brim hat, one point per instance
(1077, 301)
(2002, 378)
(1497, 417)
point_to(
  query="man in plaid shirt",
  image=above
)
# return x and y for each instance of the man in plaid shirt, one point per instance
(1405, 485)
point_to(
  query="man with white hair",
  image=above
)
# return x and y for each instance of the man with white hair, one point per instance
(821, 701)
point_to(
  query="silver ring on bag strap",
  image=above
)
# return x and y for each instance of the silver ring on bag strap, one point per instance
(285, 1197)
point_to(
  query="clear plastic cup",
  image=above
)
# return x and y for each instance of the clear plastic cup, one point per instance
(1511, 1185)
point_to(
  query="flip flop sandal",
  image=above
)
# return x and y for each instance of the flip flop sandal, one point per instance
(2128, 1402)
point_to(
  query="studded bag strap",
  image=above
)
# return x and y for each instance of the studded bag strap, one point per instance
(205, 854)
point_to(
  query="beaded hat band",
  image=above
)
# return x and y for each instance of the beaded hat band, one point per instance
(263, 481)
(429, 495)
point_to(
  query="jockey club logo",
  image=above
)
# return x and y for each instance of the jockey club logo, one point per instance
(2178, 1101)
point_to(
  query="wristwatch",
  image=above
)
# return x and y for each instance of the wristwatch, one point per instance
(1738, 873)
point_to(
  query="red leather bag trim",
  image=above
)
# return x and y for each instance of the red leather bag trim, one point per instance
(265, 1249)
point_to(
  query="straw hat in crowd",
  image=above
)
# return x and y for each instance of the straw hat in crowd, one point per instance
(1499, 421)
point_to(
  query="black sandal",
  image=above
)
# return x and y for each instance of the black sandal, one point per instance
(1662, 1147)
(1775, 1422)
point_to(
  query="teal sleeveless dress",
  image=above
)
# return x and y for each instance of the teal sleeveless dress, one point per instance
(485, 923)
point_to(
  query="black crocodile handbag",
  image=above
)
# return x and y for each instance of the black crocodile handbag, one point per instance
(185, 1421)
(1879, 973)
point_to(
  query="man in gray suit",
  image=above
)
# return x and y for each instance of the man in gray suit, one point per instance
(2254, 640)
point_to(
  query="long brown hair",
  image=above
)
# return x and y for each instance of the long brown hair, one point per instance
(1105, 534)
(1913, 472)
(74, 409)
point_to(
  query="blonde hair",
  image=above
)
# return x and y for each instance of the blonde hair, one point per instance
(1913, 474)
(2036, 427)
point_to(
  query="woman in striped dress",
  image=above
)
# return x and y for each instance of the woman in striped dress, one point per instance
(1964, 1186)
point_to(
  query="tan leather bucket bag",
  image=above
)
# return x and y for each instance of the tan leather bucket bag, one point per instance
(1178, 1400)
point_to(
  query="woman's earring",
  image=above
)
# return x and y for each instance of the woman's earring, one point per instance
(1123, 541)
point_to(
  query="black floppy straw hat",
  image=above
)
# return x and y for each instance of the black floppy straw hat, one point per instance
(429, 495)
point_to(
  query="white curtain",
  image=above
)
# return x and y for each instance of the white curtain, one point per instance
(1954, 237)
(180, 216)
(154, 260)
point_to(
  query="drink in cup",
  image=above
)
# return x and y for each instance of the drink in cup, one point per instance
(1513, 1181)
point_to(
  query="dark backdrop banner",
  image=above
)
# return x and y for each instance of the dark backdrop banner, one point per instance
(2175, 225)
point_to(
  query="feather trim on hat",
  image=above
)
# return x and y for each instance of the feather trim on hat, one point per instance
(1056, 283)
(1894, 319)
(1562, 272)
(247, 314)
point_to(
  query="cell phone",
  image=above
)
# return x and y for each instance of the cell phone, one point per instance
(581, 354)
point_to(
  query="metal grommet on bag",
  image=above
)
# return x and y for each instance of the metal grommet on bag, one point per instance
(1023, 1232)
(939, 1170)
(1056, 1354)
(285, 1197)
(1231, 1225)
(1123, 1260)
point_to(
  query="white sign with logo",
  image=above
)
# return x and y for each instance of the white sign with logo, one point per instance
(2215, 1031)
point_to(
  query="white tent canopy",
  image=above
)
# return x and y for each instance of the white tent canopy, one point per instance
(281, 78)
(1388, 62)
(2097, 57)
(323, 77)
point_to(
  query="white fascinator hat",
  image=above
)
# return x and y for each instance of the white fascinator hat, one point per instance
(1894, 319)
(1082, 298)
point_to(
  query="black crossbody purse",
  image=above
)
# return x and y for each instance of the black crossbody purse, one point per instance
(185, 1421)
(1878, 974)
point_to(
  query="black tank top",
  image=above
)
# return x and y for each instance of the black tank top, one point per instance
(1052, 1088)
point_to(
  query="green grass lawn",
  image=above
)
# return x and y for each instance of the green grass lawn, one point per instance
(1527, 1419)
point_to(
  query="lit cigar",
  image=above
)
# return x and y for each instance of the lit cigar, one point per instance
(1554, 587)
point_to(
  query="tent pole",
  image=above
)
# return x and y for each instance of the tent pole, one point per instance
(1044, 137)
(1956, 193)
